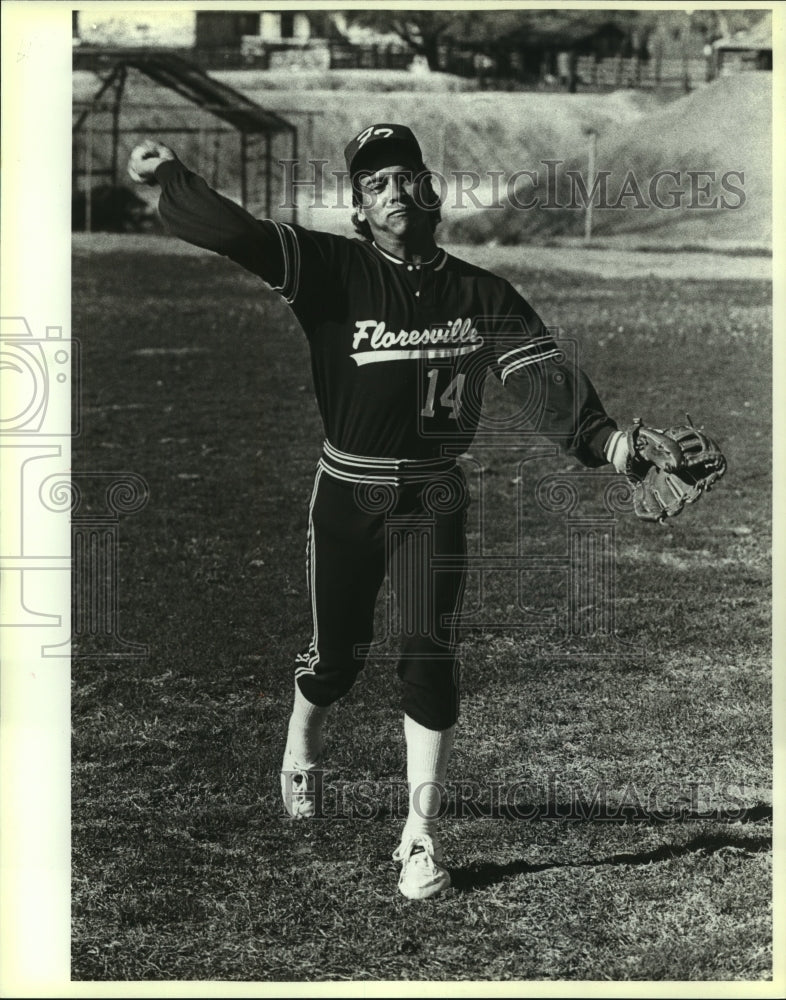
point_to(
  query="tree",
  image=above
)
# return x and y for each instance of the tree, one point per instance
(422, 30)
(607, 31)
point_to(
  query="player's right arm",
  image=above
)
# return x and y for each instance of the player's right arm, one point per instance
(195, 213)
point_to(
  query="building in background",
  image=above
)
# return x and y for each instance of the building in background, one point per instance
(218, 38)
(557, 49)
(229, 29)
(166, 29)
(745, 50)
(208, 29)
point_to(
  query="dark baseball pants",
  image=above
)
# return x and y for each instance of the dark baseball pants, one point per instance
(415, 533)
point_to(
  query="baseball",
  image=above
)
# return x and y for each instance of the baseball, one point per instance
(145, 159)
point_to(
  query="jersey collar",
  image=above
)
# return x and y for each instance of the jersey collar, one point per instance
(437, 261)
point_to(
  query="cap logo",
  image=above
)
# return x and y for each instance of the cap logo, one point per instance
(367, 133)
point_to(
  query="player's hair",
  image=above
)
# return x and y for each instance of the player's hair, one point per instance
(432, 202)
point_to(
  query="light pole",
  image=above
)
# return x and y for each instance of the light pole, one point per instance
(593, 144)
(685, 38)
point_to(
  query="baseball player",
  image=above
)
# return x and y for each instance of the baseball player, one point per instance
(402, 336)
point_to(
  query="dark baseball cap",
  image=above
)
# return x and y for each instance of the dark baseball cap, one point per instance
(381, 145)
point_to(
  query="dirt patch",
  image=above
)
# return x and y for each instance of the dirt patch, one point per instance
(600, 263)
(622, 263)
(695, 171)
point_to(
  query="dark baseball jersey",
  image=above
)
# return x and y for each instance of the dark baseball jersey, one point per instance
(399, 349)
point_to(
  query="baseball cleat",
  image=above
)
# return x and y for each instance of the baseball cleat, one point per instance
(300, 787)
(422, 875)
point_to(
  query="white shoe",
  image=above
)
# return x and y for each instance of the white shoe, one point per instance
(422, 875)
(299, 787)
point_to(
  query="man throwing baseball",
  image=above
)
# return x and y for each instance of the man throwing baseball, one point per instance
(402, 336)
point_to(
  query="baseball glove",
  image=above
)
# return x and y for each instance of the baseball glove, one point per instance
(671, 468)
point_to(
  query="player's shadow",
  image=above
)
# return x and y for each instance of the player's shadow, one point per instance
(480, 876)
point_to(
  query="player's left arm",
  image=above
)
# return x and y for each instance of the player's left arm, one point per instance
(544, 373)
(667, 469)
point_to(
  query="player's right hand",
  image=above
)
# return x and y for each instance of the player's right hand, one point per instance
(145, 160)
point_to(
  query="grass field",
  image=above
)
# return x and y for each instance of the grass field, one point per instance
(184, 866)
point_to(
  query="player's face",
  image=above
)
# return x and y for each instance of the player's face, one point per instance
(390, 201)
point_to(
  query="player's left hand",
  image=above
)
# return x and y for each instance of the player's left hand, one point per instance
(145, 159)
(667, 469)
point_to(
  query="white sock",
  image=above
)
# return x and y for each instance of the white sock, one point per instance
(428, 752)
(304, 735)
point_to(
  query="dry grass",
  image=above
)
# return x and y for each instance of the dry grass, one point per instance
(184, 864)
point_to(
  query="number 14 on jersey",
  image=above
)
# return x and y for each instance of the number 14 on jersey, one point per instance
(450, 397)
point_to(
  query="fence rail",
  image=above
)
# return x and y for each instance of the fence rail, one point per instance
(504, 68)
(369, 57)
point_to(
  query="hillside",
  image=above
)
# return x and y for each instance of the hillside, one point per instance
(722, 127)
